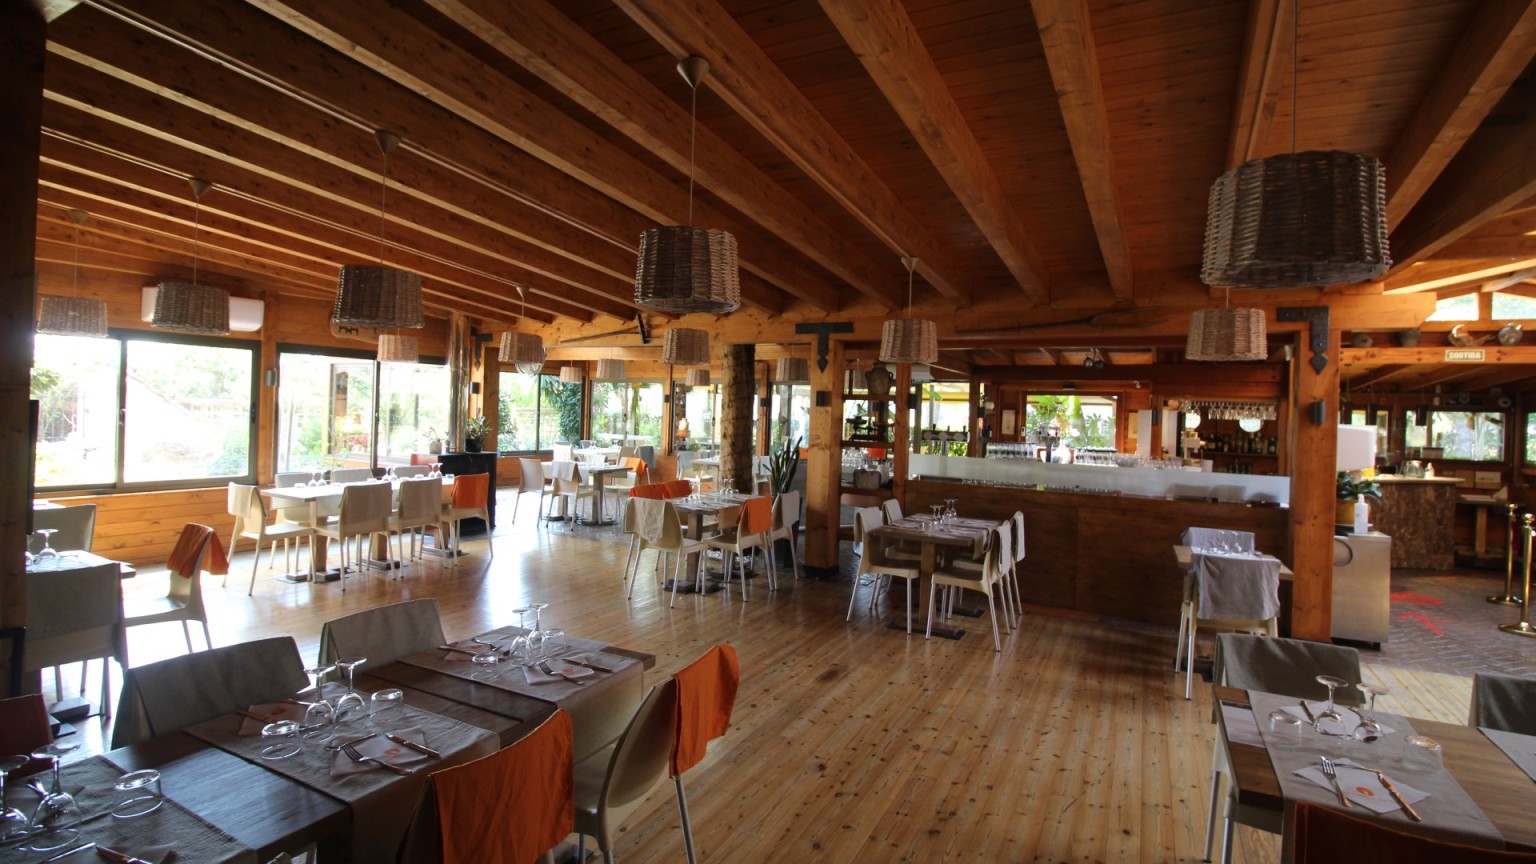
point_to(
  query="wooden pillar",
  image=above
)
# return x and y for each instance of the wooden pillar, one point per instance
(901, 444)
(490, 391)
(737, 401)
(1314, 457)
(672, 408)
(824, 464)
(977, 421)
(21, 103)
(266, 402)
(764, 409)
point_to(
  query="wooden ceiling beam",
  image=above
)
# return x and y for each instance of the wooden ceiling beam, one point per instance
(892, 52)
(1496, 48)
(1500, 377)
(540, 38)
(1066, 32)
(1508, 280)
(746, 79)
(1435, 275)
(1374, 376)
(1266, 64)
(1493, 172)
(393, 44)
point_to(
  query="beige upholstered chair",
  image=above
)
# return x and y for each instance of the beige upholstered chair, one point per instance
(1504, 702)
(365, 511)
(76, 615)
(984, 580)
(251, 522)
(420, 507)
(874, 563)
(197, 549)
(530, 478)
(1223, 592)
(74, 527)
(383, 634)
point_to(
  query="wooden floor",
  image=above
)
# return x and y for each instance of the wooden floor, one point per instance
(850, 741)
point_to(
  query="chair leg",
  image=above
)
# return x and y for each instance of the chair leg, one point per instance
(187, 632)
(1189, 661)
(853, 595)
(909, 607)
(932, 590)
(106, 688)
(682, 809)
(997, 643)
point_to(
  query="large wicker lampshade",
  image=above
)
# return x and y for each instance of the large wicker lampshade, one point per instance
(697, 378)
(685, 346)
(398, 348)
(73, 315)
(189, 307)
(523, 350)
(373, 295)
(1227, 335)
(682, 268)
(792, 370)
(909, 340)
(608, 370)
(570, 375)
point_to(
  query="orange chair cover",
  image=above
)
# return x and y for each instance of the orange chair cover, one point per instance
(24, 727)
(657, 491)
(679, 488)
(706, 693)
(514, 804)
(189, 548)
(637, 465)
(469, 490)
(1323, 834)
(757, 516)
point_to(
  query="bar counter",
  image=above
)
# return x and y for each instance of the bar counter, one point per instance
(1419, 513)
(1103, 554)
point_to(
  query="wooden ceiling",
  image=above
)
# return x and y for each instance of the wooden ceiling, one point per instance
(1045, 161)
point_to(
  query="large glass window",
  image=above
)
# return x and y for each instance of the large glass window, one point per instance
(1506, 305)
(626, 412)
(186, 411)
(791, 414)
(536, 411)
(325, 412)
(699, 410)
(1473, 435)
(1462, 308)
(1076, 421)
(413, 407)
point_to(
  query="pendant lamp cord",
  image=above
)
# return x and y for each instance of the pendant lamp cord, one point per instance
(1295, 59)
(693, 133)
(74, 288)
(197, 224)
(383, 202)
(911, 266)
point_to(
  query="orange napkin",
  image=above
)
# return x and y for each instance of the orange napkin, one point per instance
(532, 785)
(679, 488)
(706, 693)
(189, 546)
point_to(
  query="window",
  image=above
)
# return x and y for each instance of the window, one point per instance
(1463, 308)
(699, 410)
(536, 411)
(791, 414)
(1477, 436)
(341, 411)
(1506, 305)
(626, 413)
(186, 411)
(413, 405)
(1077, 421)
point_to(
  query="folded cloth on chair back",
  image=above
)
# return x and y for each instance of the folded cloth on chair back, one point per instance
(189, 551)
(1505, 702)
(650, 519)
(1237, 587)
(384, 634)
(706, 693)
(679, 488)
(173, 694)
(651, 490)
(1288, 667)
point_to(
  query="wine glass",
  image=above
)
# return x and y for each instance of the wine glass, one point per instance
(949, 509)
(350, 706)
(46, 558)
(518, 646)
(13, 823)
(938, 511)
(1369, 730)
(536, 636)
(1329, 721)
(56, 823)
(319, 715)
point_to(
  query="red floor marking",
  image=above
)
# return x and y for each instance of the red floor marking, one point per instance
(1416, 599)
(1429, 623)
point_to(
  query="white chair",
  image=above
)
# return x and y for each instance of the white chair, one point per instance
(408, 471)
(197, 549)
(365, 511)
(252, 523)
(786, 515)
(569, 489)
(420, 507)
(750, 532)
(562, 452)
(613, 782)
(351, 475)
(984, 580)
(1005, 566)
(76, 615)
(1226, 593)
(530, 478)
(874, 563)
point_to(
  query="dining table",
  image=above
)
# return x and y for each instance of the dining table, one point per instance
(597, 480)
(1480, 796)
(966, 535)
(313, 497)
(695, 510)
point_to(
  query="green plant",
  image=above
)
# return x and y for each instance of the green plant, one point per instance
(476, 428)
(782, 465)
(1351, 487)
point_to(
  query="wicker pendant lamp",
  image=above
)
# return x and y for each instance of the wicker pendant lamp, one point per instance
(697, 378)
(1227, 335)
(192, 308)
(680, 268)
(398, 348)
(792, 370)
(523, 350)
(369, 295)
(608, 370)
(685, 346)
(1297, 219)
(909, 340)
(73, 315)
(571, 375)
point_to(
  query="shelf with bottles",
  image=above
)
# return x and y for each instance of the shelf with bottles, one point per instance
(1227, 438)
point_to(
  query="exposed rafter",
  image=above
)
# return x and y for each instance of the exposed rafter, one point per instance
(1267, 47)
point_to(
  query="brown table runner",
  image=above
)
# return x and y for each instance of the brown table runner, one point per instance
(1449, 812)
(381, 801)
(190, 838)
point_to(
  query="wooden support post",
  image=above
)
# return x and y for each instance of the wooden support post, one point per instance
(824, 464)
(901, 442)
(21, 101)
(672, 408)
(737, 406)
(1313, 457)
(764, 409)
(266, 402)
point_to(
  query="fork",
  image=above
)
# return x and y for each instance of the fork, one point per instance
(355, 756)
(544, 666)
(1332, 774)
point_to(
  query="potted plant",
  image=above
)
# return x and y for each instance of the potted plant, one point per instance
(475, 430)
(1350, 488)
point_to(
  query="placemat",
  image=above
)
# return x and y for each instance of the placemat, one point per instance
(1449, 812)
(1521, 749)
(509, 675)
(192, 838)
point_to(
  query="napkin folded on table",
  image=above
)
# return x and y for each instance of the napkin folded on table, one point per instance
(563, 672)
(379, 747)
(1363, 787)
(597, 660)
(153, 854)
(270, 713)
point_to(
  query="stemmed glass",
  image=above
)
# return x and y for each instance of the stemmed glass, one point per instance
(57, 821)
(1369, 730)
(350, 706)
(518, 646)
(949, 509)
(938, 513)
(13, 823)
(537, 635)
(320, 715)
(46, 558)
(1329, 721)
(315, 479)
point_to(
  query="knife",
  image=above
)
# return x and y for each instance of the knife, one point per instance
(406, 742)
(120, 858)
(458, 650)
(1397, 796)
(1307, 709)
(68, 852)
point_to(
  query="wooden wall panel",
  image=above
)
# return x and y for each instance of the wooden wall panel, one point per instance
(141, 527)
